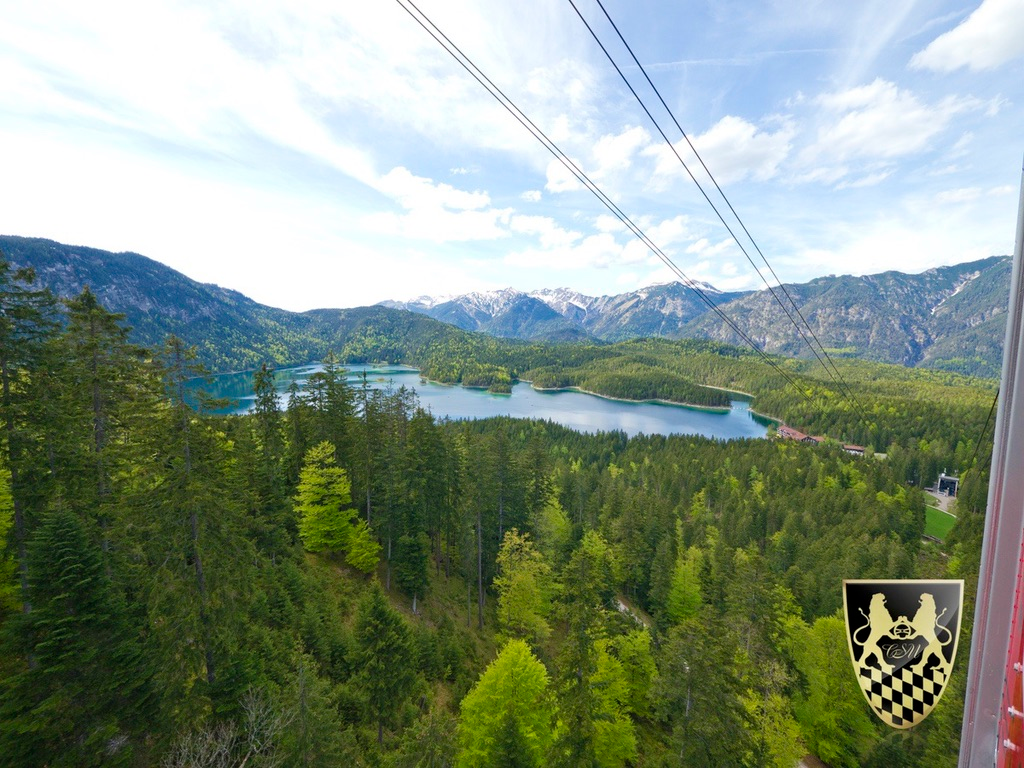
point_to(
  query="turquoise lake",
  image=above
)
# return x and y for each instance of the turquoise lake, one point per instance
(576, 410)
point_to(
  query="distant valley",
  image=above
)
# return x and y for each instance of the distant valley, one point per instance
(948, 318)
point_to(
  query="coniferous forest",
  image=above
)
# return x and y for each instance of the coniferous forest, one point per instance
(351, 581)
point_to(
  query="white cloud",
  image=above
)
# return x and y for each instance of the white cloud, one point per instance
(872, 179)
(704, 248)
(658, 276)
(733, 149)
(546, 229)
(821, 174)
(698, 246)
(213, 100)
(276, 131)
(921, 232)
(636, 252)
(608, 223)
(669, 231)
(990, 37)
(880, 121)
(594, 252)
(614, 152)
(961, 147)
(436, 212)
(965, 195)
(440, 225)
(417, 192)
(289, 74)
(560, 178)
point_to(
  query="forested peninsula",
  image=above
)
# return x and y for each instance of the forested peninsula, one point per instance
(350, 581)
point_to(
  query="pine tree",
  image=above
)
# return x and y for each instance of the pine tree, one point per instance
(82, 694)
(191, 561)
(298, 430)
(331, 401)
(412, 555)
(836, 724)
(313, 736)
(684, 598)
(588, 587)
(697, 691)
(108, 393)
(383, 659)
(511, 749)
(27, 328)
(430, 742)
(267, 416)
(426, 481)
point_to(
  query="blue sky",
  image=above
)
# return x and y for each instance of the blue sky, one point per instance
(320, 153)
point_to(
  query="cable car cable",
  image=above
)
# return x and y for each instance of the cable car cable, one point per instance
(455, 52)
(833, 372)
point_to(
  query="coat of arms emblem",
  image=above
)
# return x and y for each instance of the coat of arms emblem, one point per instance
(903, 637)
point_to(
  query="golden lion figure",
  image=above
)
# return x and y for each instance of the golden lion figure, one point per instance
(879, 622)
(925, 623)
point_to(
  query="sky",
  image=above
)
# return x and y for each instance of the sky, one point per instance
(329, 153)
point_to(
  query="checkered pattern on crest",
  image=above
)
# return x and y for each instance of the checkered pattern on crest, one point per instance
(905, 697)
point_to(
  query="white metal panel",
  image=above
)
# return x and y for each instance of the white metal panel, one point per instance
(1001, 551)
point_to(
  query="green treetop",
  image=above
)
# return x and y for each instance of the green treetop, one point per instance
(325, 521)
(510, 704)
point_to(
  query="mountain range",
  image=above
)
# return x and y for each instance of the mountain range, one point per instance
(562, 314)
(950, 318)
(947, 317)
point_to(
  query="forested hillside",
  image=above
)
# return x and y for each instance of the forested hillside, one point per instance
(948, 318)
(352, 582)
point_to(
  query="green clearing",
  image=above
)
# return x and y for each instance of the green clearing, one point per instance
(938, 523)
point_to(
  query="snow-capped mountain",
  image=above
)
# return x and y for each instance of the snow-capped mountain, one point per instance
(566, 302)
(947, 317)
(562, 313)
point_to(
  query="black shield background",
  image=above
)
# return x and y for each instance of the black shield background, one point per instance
(903, 598)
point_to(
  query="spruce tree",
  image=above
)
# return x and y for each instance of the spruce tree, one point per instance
(191, 560)
(82, 695)
(27, 329)
(511, 749)
(270, 439)
(383, 660)
(108, 393)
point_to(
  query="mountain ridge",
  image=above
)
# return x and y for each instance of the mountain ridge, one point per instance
(944, 317)
(950, 318)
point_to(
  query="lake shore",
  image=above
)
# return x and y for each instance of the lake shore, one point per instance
(658, 401)
(572, 407)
